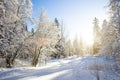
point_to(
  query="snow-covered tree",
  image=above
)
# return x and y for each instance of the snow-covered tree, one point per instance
(12, 27)
(81, 52)
(114, 6)
(107, 39)
(47, 32)
(114, 25)
(68, 48)
(60, 46)
(111, 32)
(76, 46)
(96, 34)
(57, 22)
(47, 29)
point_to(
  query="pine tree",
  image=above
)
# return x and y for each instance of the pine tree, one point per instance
(114, 7)
(76, 46)
(56, 22)
(68, 48)
(32, 31)
(104, 32)
(81, 52)
(111, 34)
(60, 46)
(96, 33)
(111, 31)
(106, 39)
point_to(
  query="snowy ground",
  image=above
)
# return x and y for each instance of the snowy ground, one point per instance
(72, 68)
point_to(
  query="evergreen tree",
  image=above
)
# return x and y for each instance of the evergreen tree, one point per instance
(111, 31)
(68, 48)
(76, 46)
(114, 6)
(96, 33)
(106, 49)
(81, 52)
(60, 46)
(104, 32)
(56, 22)
(32, 31)
(43, 16)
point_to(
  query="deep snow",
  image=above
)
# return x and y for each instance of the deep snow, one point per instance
(72, 68)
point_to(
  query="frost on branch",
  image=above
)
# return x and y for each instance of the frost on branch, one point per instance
(13, 17)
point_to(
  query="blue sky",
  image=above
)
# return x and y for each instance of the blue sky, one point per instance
(77, 15)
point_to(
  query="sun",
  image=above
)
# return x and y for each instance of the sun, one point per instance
(87, 36)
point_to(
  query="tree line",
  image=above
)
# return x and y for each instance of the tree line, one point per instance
(49, 39)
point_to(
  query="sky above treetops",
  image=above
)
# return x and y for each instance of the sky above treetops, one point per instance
(77, 15)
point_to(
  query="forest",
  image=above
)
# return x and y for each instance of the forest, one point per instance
(48, 53)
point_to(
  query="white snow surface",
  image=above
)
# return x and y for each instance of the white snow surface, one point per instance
(72, 68)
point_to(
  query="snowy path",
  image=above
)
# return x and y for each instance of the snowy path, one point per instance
(63, 69)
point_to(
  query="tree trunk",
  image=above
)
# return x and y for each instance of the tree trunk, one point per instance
(36, 57)
(10, 59)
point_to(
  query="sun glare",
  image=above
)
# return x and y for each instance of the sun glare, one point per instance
(87, 36)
